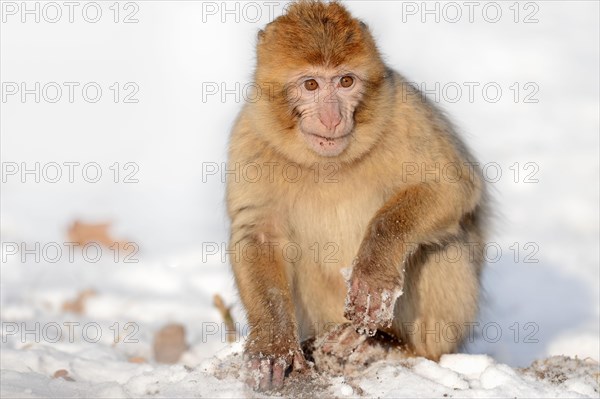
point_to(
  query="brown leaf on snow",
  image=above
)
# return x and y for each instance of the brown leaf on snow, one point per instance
(84, 233)
(169, 343)
(78, 304)
(62, 373)
(226, 315)
(137, 359)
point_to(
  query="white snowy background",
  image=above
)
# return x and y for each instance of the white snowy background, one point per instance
(542, 292)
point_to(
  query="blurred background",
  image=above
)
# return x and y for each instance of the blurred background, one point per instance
(114, 124)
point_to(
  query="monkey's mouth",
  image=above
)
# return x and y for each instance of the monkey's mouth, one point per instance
(327, 146)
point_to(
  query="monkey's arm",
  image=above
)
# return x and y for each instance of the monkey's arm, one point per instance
(419, 214)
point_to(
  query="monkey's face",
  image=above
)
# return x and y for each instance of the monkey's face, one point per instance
(321, 84)
(324, 101)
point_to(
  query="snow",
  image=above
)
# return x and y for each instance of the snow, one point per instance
(542, 293)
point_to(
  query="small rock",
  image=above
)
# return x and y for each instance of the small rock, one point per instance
(169, 343)
(78, 305)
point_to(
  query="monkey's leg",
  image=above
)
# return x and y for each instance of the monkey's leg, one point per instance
(440, 300)
(273, 344)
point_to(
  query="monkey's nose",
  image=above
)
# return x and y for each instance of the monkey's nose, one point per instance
(330, 121)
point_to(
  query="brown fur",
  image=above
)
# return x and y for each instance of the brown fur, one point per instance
(394, 226)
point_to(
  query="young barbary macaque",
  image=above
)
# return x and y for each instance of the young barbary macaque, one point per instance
(338, 163)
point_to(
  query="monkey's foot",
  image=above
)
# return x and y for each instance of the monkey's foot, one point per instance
(267, 372)
(370, 306)
(344, 350)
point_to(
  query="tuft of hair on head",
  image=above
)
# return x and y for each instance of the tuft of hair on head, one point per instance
(317, 33)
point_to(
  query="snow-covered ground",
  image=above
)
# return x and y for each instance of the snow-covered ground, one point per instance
(542, 280)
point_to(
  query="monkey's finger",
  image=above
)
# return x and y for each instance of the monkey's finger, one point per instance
(253, 373)
(351, 337)
(333, 337)
(331, 341)
(361, 303)
(264, 383)
(279, 367)
(363, 346)
(354, 286)
(354, 295)
(370, 316)
(374, 308)
(355, 283)
(350, 342)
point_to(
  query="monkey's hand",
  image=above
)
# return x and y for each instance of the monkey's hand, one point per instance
(372, 294)
(267, 363)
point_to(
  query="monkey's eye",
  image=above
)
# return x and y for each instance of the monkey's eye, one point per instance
(311, 85)
(346, 81)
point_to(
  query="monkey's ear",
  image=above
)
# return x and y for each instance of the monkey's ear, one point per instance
(364, 26)
(262, 34)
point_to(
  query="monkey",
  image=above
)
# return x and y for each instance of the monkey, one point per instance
(331, 171)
